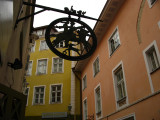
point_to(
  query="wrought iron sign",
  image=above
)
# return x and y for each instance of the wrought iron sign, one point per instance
(77, 39)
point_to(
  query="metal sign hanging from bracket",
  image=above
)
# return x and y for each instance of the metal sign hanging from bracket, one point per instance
(77, 39)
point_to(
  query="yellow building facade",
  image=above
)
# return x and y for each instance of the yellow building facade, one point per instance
(52, 88)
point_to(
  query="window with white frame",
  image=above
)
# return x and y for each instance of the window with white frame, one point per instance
(152, 59)
(32, 49)
(56, 94)
(39, 32)
(129, 118)
(57, 65)
(42, 66)
(44, 31)
(84, 82)
(29, 70)
(85, 114)
(98, 101)
(43, 45)
(114, 42)
(96, 66)
(39, 95)
(60, 45)
(151, 2)
(26, 92)
(120, 86)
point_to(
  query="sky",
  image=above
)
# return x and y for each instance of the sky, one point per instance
(93, 9)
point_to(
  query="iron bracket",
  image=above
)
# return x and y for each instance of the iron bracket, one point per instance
(73, 12)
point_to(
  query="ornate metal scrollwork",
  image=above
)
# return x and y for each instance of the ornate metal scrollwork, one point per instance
(79, 40)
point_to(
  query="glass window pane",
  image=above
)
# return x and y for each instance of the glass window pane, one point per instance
(42, 89)
(53, 99)
(58, 99)
(41, 100)
(53, 94)
(36, 100)
(53, 88)
(59, 87)
(58, 94)
(37, 90)
(41, 96)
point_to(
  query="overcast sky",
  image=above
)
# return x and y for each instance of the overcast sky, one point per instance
(93, 9)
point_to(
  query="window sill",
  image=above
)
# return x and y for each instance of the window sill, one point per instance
(27, 75)
(155, 70)
(43, 49)
(56, 103)
(151, 5)
(115, 50)
(98, 113)
(121, 100)
(38, 104)
(38, 74)
(96, 74)
(57, 72)
(84, 88)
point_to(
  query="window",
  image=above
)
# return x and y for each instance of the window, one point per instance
(98, 101)
(120, 84)
(56, 94)
(114, 42)
(129, 117)
(120, 88)
(60, 45)
(43, 45)
(42, 66)
(85, 109)
(39, 95)
(57, 65)
(27, 94)
(152, 59)
(151, 2)
(84, 82)
(39, 32)
(96, 67)
(29, 70)
(32, 49)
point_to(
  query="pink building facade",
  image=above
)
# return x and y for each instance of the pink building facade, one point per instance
(121, 80)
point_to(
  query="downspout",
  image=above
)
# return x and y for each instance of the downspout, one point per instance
(75, 72)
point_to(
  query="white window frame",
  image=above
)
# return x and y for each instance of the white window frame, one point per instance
(27, 94)
(31, 68)
(50, 94)
(32, 46)
(95, 89)
(39, 31)
(46, 47)
(46, 66)
(120, 65)
(60, 44)
(94, 74)
(33, 100)
(128, 116)
(153, 44)
(52, 68)
(83, 83)
(151, 5)
(84, 109)
(109, 44)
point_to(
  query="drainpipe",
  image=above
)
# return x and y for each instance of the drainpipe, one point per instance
(75, 72)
